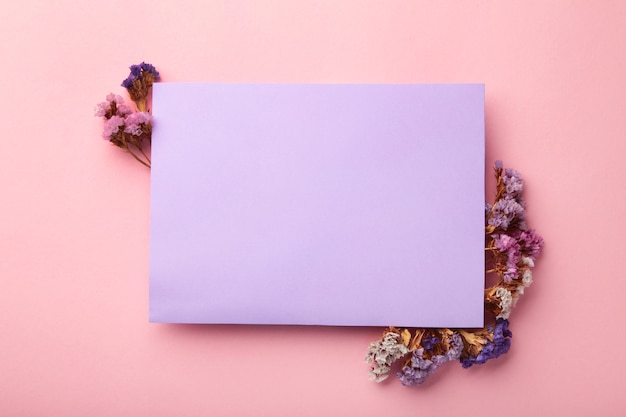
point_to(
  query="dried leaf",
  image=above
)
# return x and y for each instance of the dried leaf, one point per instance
(406, 337)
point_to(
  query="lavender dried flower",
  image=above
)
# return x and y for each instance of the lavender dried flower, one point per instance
(421, 367)
(505, 212)
(513, 183)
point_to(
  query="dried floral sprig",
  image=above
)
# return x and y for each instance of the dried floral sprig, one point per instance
(511, 251)
(383, 353)
(124, 127)
(139, 83)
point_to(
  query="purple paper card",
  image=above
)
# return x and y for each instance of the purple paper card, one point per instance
(318, 204)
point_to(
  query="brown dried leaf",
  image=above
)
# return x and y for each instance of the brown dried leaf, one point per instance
(417, 339)
(406, 337)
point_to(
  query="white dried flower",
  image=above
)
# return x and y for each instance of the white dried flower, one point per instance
(527, 278)
(528, 261)
(382, 353)
(506, 303)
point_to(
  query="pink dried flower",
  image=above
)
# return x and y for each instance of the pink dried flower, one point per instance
(112, 126)
(114, 106)
(503, 242)
(136, 122)
(102, 109)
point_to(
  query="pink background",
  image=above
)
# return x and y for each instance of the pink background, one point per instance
(74, 333)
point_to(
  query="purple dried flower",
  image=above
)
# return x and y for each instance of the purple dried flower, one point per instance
(135, 74)
(503, 242)
(514, 255)
(135, 70)
(501, 331)
(531, 243)
(456, 347)
(510, 274)
(500, 345)
(509, 207)
(139, 82)
(521, 244)
(149, 68)
(429, 342)
(505, 212)
(418, 371)
(467, 362)
(140, 72)
(420, 368)
(513, 182)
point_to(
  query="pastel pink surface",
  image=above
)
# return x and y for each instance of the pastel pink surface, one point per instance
(74, 219)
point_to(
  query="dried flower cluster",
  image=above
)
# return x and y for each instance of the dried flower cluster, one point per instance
(511, 251)
(124, 127)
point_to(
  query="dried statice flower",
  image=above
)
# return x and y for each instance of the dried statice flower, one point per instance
(429, 342)
(499, 345)
(112, 127)
(519, 248)
(124, 128)
(456, 347)
(420, 368)
(138, 123)
(382, 354)
(506, 303)
(505, 212)
(113, 106)
(503, 242)
(531, 243)
(513, 183)
(527, 278)
(139, 82)
(508, 210)
(528, 261)
(510, 246)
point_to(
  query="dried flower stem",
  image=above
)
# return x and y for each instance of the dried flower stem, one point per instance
(141, 104)
(138, 159)
(144, 154)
